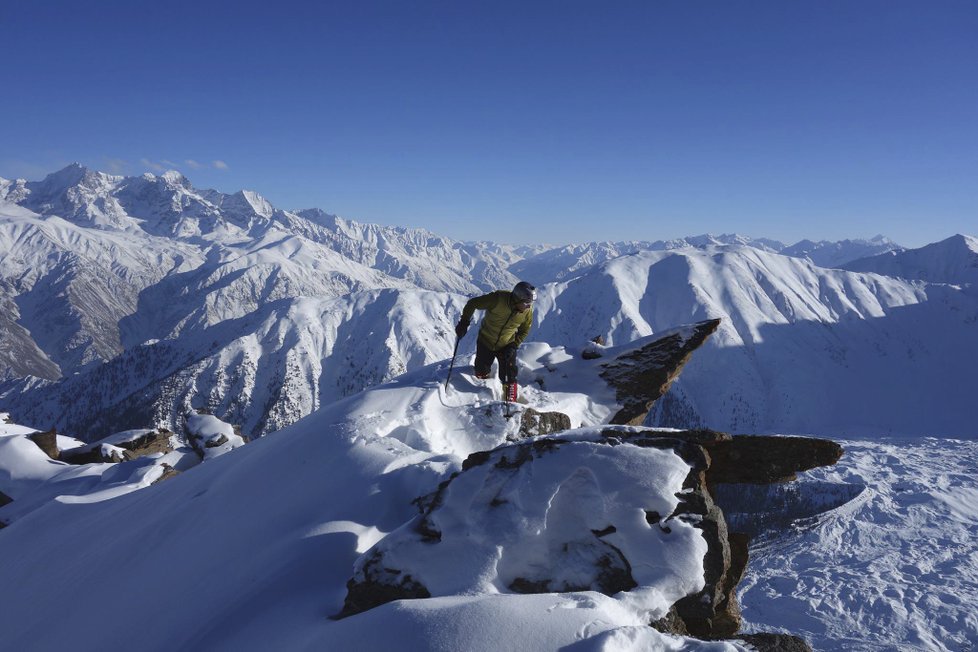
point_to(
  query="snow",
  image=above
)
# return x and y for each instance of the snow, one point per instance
(278, 525)
(268, 534)
(130, 286)
(895, 568)
(211, 436)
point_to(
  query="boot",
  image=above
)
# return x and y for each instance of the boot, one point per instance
(510, 392)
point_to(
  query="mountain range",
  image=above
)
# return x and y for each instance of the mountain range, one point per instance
(128, 301)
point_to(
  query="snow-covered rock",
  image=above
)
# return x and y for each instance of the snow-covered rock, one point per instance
(553, 515)
(210, 436)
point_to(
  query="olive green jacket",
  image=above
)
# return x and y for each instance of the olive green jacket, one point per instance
(502, 324)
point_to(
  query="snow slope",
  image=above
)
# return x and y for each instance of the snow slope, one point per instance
(252, 550)
(894, 569)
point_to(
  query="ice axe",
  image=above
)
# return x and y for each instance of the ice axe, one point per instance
(452, 366)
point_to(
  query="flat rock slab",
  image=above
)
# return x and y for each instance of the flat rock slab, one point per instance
(642, 376)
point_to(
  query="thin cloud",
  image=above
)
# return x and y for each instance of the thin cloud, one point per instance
(155, 167)
(170, 164)
(220, 165)
(193, 164)
(116, 165)
(20, 169)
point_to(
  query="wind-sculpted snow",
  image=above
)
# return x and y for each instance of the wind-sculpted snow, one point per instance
(894, 568)
(563, 515)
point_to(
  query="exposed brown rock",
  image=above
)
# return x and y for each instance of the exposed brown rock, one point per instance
(776, 642)
(5, 499)
(542, 423)
(113, 449)
(759, 459)
(168, 472)
(714, 612)
(379, 585)
(156, 441)
(96, 453)
(642, 376)
(47, 442)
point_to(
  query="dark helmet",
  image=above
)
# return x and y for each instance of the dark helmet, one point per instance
(524, 292)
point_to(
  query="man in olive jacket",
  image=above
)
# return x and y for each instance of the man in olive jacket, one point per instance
(504, 327)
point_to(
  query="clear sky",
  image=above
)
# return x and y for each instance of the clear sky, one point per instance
(519, 121)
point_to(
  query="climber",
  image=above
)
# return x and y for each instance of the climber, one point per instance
(505, 325)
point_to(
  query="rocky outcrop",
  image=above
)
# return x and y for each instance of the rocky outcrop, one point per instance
(120, 447)
(642, 376)
(148, 443)
(776, 643)
(97, 453)
(535, 423)
(47, 442)
(5, 499)
(556, 533)
(714, 612)
(406, 564)
(168, 472)
(758, 459)
(376, 585)
(599, 553)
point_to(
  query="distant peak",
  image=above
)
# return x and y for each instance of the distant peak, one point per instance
(174, 177)
(69, 175)
(254, 201)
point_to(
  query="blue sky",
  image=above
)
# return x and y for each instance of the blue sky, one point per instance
(520, 122)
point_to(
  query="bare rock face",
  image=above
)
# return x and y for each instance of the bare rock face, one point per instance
(5, 499)
(759, 459)
(120, 447)
(776, 643)
(377, 585)
(149, 443)
(642, 376)
(168, 472)
(47, 442)
(542, 423)
(743, 459)
(96, 453)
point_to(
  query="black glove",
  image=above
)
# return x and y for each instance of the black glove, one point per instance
(462, 328)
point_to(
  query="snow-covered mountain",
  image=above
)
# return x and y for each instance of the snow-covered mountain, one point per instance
(800, 349)
(837, 254)
(261, 371)
(954, 261)
(162, 297)
(561, 263)
(92, 264)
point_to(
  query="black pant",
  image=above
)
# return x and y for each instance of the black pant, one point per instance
(506, 357)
